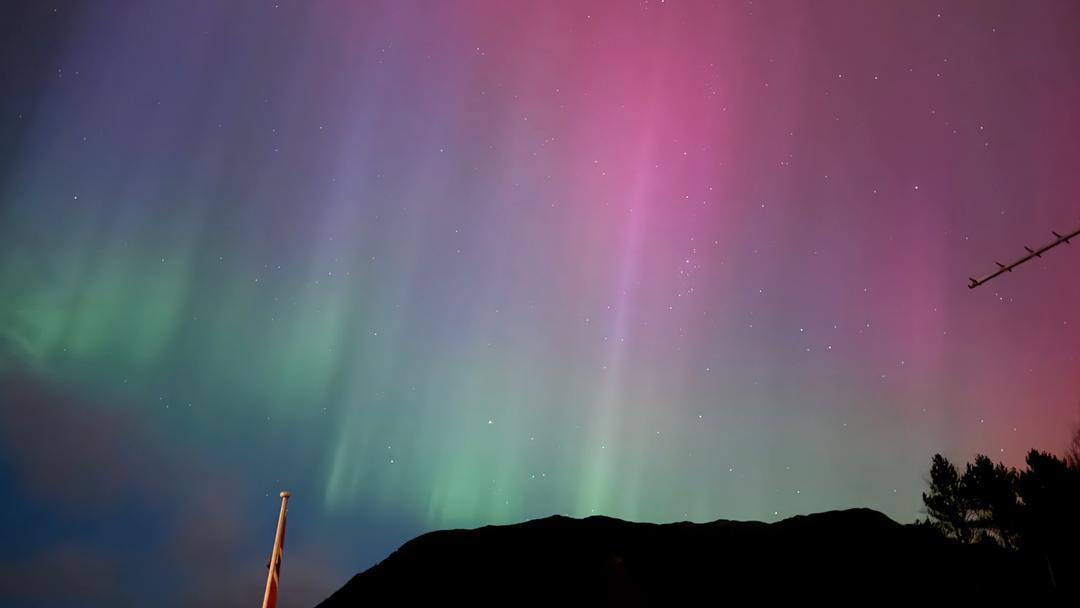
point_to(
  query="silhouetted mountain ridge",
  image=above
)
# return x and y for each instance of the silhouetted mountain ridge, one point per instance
(851, 556)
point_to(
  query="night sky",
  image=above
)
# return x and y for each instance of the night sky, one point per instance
(447, 264)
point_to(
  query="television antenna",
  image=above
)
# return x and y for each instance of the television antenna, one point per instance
(1031, 253)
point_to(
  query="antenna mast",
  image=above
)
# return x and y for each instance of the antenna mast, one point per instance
(1031, 253)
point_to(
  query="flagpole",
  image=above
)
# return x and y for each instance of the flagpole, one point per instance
(270, 596)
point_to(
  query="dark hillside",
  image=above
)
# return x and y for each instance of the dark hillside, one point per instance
(854, 556)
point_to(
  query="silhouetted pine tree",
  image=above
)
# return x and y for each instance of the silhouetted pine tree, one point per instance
(1036, 511)
(943, 503)
(988, 494)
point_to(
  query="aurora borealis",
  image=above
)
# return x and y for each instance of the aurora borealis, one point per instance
(442, 264)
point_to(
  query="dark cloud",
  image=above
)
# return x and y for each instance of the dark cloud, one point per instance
(144, 515)
(82, 455)
(63, 575)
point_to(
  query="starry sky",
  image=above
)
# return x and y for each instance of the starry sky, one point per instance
(446, 264)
